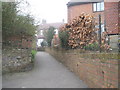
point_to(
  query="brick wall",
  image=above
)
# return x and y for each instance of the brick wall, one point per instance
(75, 11)
(111, 17)
(16, 41)
(96, 73)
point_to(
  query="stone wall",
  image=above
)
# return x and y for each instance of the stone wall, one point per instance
(16, 60)
(95, 72)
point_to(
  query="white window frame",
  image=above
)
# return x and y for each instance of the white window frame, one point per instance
(99, 6)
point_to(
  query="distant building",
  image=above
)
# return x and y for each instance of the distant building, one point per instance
(44, 27)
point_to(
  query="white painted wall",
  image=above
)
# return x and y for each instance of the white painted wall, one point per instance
(39, 42)
(56, 31)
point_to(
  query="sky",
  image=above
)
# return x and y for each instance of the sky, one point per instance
(50, 10)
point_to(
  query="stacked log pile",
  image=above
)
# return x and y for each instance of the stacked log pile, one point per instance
(82, 31)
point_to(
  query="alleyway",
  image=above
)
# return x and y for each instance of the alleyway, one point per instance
(47, 73)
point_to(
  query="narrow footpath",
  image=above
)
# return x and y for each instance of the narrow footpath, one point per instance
(47, 73)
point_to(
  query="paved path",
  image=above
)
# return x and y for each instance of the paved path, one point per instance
(47, 73)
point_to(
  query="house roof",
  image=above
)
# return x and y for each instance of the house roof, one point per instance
(40, 37)
(47, 25)
(79, 2)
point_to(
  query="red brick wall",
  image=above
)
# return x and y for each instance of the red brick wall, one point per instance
(94, 72)
(111, 16)
(16, 41)
(75, 11)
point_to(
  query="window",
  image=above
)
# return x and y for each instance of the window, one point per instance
(94, 7)
(41, 32)
(98, 6)
(102, 6)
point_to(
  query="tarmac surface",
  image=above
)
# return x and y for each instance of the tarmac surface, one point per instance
(47, 73)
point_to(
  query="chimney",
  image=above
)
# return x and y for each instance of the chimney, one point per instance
(43, 21)
(63, 20)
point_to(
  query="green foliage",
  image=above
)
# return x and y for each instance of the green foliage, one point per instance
(33, 53)
(43, 43)
(25, 24)
(49, 35)
(9, 14)
(13, 23)
(93, 47)
(64, 36)
(34, 44)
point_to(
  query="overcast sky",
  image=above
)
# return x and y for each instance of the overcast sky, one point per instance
(51, 10)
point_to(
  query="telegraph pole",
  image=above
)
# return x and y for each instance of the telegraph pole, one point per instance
(100, 33)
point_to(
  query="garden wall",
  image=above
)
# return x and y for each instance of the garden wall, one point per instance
(16, 60)
(96, 70)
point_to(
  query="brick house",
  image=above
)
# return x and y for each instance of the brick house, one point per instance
(44, 27)
(76, 8)
(112, 17)
(109, 14)
(112, 20)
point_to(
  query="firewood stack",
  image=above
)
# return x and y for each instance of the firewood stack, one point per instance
(81, 31)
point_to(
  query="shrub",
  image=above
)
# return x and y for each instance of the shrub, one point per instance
(64, 37)
(33, 53)
(49, 35)
(93, 47)
(44, 43)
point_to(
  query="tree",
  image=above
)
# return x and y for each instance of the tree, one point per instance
(9, 13)
(64, 37)
(14, 23)
(25, 24)
(43, 43)
(49, 35)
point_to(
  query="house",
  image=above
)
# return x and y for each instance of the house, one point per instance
(108, 10)
(76, 8)
(44, 27)
(112, 18)
(90, 7)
